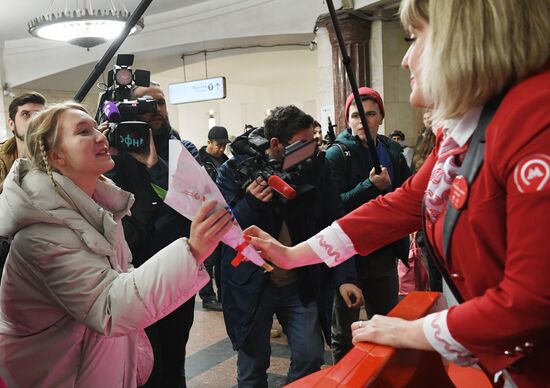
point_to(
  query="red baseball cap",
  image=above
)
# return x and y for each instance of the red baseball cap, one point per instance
(364, 91)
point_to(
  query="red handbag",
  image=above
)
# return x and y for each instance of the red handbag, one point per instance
(414, 278)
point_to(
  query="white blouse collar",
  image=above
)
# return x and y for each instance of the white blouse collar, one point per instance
(462, 128)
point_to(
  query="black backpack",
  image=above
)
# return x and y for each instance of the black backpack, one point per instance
(346, 153)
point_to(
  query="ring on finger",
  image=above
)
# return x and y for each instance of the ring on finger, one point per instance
(360, 324)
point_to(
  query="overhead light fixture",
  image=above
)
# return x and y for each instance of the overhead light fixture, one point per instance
(85, 27)
(211, 119)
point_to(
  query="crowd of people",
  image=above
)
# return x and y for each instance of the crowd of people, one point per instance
(100, 275)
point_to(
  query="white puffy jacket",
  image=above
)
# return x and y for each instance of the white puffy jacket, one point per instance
(71, 304)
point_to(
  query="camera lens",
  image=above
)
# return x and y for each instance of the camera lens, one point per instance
(123, 77)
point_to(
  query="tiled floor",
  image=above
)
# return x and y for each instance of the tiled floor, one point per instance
(211, 361)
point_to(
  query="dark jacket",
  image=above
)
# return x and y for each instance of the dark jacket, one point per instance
(8, 153)
(210, 163)
(306, 215)
(153, 224)
(351, 175)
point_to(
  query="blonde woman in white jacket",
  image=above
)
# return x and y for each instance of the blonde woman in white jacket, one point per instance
(72, 307)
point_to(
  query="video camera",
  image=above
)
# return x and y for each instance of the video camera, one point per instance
(127, 131)
(279, 174)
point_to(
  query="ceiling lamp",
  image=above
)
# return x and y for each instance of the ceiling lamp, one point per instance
(85, 27)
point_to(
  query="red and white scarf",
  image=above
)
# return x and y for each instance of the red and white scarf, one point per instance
(456, 136)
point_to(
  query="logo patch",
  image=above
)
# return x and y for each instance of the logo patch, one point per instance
(532, 173)
(459, 192)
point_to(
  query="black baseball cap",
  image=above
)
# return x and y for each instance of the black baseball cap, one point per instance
(219, 134)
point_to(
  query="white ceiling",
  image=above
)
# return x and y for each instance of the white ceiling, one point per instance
(14, 14)
(160, 60)
(172, 27)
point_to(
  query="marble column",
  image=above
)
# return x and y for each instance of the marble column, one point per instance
(356, 34)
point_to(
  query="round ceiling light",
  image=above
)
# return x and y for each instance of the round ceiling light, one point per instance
(82, 28)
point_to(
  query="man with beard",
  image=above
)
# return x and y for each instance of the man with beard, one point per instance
(20, 111)
(152, 226)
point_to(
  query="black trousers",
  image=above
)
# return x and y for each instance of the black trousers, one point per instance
(212, 265)
(168, 338)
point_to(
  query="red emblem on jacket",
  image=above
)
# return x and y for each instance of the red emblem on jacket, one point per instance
(532, 173)
(459, 192)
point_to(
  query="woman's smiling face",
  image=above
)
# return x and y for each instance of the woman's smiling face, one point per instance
(82, 152)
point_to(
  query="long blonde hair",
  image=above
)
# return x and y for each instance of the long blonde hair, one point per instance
(476, 48)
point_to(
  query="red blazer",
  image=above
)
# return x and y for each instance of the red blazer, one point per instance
(500, 248)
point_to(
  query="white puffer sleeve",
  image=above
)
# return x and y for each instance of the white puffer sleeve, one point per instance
(85, 286)
(155, 289)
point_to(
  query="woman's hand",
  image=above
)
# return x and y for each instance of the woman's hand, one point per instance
(390, 331)
(280, 255)
(268, 246)
(150, 158)
(259, 189)
(207, 230)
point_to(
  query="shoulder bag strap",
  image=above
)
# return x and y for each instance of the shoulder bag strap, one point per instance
(469, 169)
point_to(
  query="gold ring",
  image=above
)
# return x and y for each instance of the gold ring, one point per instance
(360, 324)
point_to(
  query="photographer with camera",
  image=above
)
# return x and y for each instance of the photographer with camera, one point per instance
(152, 226)
(302, 298)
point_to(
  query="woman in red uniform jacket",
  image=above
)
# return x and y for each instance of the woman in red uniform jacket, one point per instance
(465, 52)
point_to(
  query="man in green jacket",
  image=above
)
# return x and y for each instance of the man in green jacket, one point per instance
(353, 172)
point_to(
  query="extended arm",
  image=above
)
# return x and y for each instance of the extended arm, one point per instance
(86, 286)
(369, 227)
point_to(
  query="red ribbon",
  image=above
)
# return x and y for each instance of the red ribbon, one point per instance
(239, 258)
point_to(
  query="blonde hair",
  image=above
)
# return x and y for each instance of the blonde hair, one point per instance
(423, 150)
(43, 134)
(477, 48)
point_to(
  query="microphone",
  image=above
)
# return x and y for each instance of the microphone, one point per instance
(280, 186)
(111, 111)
